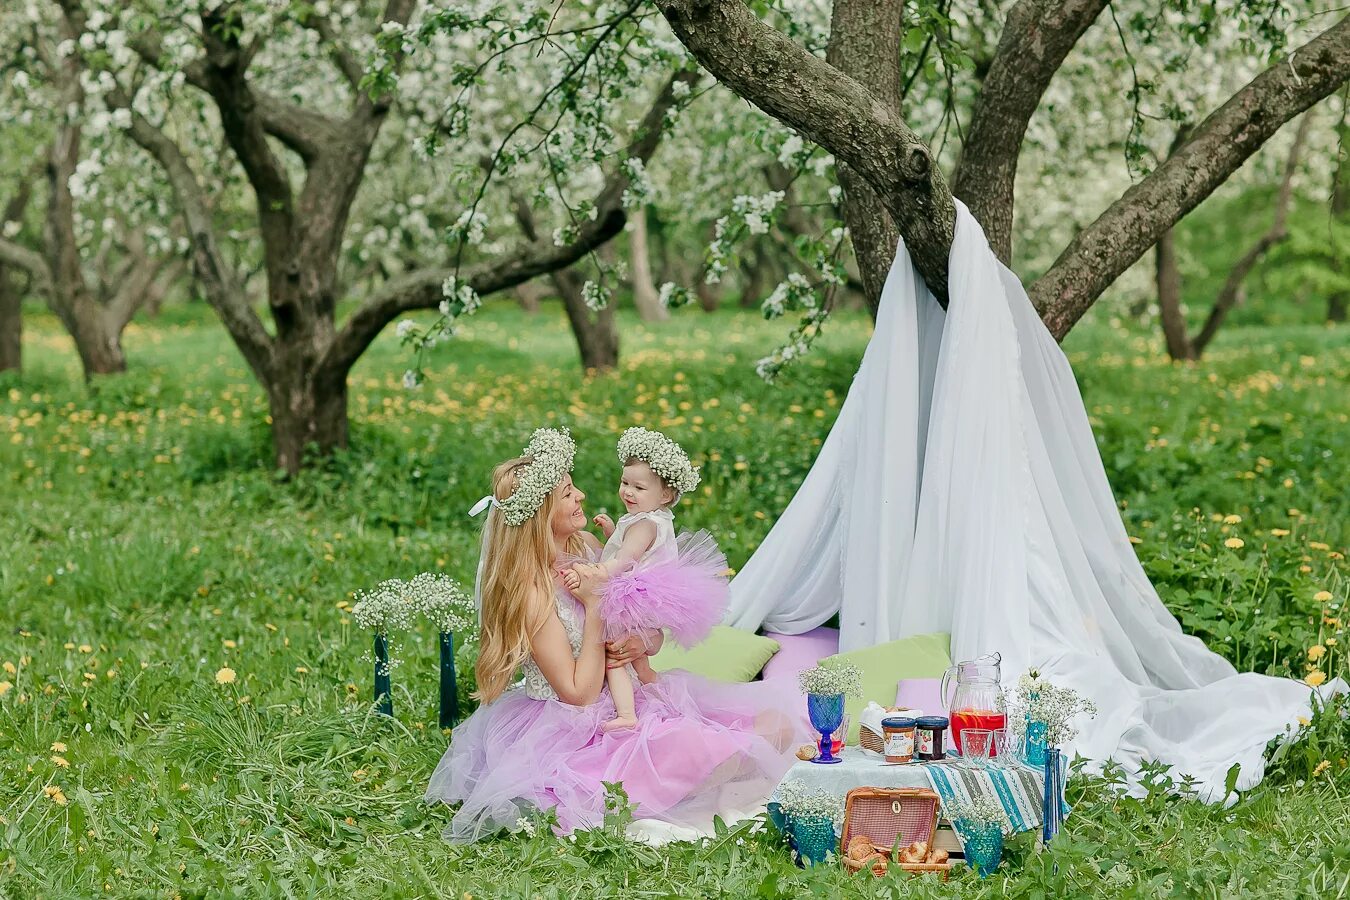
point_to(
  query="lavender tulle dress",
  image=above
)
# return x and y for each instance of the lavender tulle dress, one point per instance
(700, 749)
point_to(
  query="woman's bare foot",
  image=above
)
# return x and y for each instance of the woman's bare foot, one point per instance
(619, 722)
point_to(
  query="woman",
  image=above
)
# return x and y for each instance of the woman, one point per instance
(700, 749)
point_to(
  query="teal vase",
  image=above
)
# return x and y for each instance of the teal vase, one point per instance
(982, 845)
(813, 837)
(1034, 746)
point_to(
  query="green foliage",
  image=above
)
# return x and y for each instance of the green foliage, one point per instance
(149, 545)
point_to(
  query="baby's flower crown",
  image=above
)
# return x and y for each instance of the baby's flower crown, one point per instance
(551, 451)
(665, 457)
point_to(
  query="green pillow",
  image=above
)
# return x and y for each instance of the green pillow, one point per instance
(921, 656)
(727, 654)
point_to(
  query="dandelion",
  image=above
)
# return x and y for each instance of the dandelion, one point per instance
(58, 747)
(1331, 642)
(6, 687)
(1315, 678)
(1232, 520)
(61, 762)
(1322, 596)
(9, 667)
(56, 794)
(1235, 543)
(1321, 767)
(1316, 652)
(1279, 532)
(301, 670)
(225, 675)
(85, 648)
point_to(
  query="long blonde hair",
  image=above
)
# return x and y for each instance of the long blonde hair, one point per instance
(517, 583)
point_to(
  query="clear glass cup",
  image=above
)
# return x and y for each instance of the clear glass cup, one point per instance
(976, 744)
(1005, 744)
(840, 737)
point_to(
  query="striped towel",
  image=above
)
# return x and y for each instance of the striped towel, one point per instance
(1018, 789)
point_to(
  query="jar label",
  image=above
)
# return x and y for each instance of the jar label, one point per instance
(925, 741)
(899, 744)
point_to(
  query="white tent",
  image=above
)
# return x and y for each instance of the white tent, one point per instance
(961, 491)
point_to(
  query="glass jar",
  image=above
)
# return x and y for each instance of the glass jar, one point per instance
(898, 733)
(974, 696)
(929, 736)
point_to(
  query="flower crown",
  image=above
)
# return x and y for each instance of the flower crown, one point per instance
(551, 451)
(663, 455)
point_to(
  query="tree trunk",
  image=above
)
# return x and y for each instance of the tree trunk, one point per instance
(529, 295)
(306, 412)
(596, 333)
(1169, 298)
(1340, 205)
(709, 295)
(865, 43)
(645, 297)
(11, 323)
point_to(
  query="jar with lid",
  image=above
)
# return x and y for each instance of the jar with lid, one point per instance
(899, 738)
(929, 736)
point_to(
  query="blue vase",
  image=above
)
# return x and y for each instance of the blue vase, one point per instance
(983, 846)
(813, 837)
(827, 714)
(1033, 747)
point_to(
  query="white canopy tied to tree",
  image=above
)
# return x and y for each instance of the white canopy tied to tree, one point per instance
(961, 491)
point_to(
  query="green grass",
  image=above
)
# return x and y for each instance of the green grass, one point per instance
(149, 544)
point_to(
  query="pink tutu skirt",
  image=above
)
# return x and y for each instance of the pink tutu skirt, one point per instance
(700, 749)
(685, 596)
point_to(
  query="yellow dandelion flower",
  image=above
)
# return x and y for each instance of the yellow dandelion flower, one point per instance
(1331, 642)
(58, 747)
(1315, 678)
(85, 648)
(1234, 543)
(302, 670)
(1136, 540)
(225, 675)
(1322, 596)
(90, 676)
(228, 644)
(1304, 721)
(1318, 545)
(1316, 652)
(55, 793)
(1321, 767)
(358, 774)
(9, 667)
(1280, 532)
(61, 762)
(1232, 520)
(6, 687)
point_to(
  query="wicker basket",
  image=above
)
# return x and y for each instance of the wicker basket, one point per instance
(891, 816)
(870, 740)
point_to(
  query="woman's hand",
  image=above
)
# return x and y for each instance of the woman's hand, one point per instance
(589, 577)
(630, 647)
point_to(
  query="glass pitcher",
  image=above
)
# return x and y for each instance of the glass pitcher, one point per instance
(973, 694)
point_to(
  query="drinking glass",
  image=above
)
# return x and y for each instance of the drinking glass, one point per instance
(840, 736)
(1004, 745)
(975, 745)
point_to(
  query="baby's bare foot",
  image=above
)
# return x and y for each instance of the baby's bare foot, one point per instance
(619, 722)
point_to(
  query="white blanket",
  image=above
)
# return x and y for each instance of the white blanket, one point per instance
(961, 491)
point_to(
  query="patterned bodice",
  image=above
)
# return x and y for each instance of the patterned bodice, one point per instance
(536, 685)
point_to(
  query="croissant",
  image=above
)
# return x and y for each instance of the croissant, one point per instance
(911, 855)
(878, 863)
(860, 848)
(937, 857)
(806, 752)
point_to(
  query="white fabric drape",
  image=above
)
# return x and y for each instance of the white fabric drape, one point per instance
(961, 490)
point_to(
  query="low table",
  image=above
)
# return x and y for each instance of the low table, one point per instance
(1019, 788)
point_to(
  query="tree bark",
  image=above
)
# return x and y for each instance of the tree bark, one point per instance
(307, 416)
(596, 332)
(11, 299)
(1169, 298)
(865, 44)
(645, 297)
(1339, 301)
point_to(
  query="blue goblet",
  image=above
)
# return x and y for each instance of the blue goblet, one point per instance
(827, 714)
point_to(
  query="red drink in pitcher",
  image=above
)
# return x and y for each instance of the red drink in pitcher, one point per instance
(976, 718)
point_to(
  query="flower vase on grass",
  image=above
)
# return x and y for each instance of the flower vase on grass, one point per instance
(446, 605)
(381, 610)
(981, 823)
(809, 815)
(825, 688)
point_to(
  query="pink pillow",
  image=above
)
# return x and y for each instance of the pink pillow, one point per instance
(921, 693)
(800, 651)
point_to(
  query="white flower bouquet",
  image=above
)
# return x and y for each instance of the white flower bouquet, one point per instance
(1038, 701)
(842, 678)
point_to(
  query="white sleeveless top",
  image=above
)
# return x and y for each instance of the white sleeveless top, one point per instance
(663, 549)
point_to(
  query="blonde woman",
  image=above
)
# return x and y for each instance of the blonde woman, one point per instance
(699, 749)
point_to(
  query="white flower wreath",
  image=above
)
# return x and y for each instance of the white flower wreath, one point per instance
(552, 451)
(665, 457)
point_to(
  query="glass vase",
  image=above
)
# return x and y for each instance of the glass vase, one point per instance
(1033, 745)
(827, 714)
(982, 844)
(813, 837)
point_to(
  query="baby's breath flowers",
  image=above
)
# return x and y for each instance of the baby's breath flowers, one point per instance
(551, 451)
(798, 800)
(1037, 700)
(977, 811)
(844, 678)
(666, 458)
(441, 601)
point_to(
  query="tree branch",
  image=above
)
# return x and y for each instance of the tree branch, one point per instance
(1036, 38)
(1216, 149)
(370, 108)
(211, 268)
(806, 93)
(341, 55)
(19, 256)
(422, 289)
